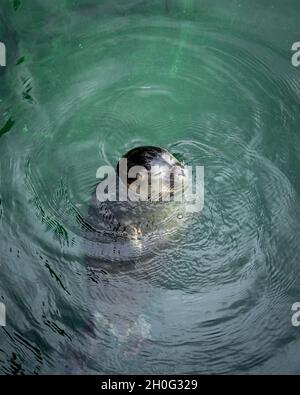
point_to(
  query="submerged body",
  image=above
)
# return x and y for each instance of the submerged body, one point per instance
(121, 233)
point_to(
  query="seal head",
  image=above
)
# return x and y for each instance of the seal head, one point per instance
(162, 169)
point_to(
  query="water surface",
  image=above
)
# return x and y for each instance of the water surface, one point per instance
(212, 81)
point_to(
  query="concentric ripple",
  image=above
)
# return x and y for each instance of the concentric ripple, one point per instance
(212, 88)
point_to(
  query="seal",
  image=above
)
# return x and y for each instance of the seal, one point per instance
(120, 231)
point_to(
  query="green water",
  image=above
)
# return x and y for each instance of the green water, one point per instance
(213, 82)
